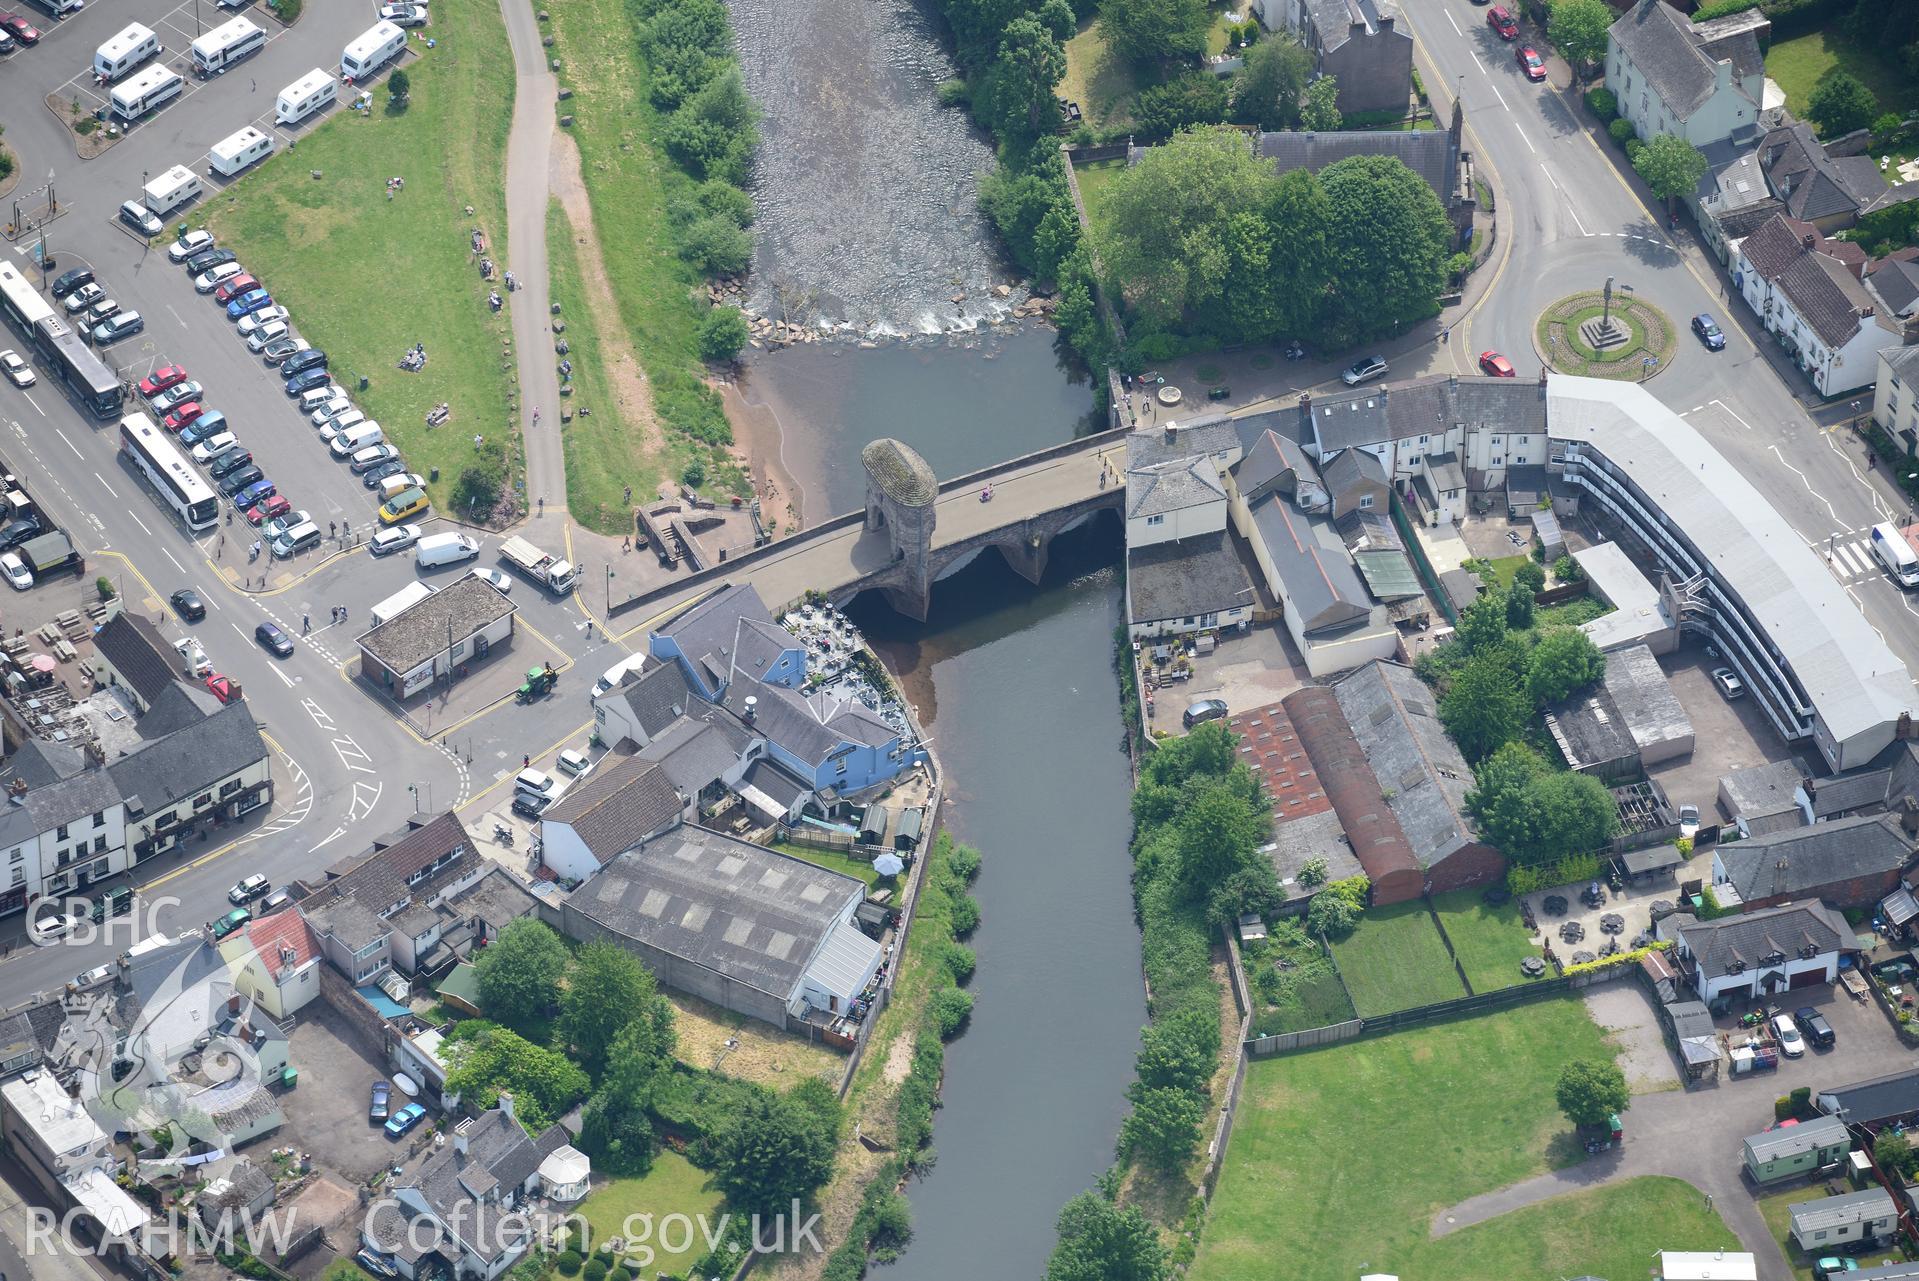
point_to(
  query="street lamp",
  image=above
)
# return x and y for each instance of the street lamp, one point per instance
(609, 591)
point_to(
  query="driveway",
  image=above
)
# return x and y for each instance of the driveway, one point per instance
(327, 1113)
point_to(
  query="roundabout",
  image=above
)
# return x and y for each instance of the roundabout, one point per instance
(1594, 336)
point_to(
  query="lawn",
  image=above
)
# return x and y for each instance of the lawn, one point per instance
(1093, 180)
(1581, 609)
(342, 1269)
(1503, 568)
(1353, 1148)
(1489, 941)
(661, 300)
(1293, 984)
(1609, 1231)
(857, 868)
(1396, 960)
(1798, 65)
(367, 277)
(673, 1186)
(1103, 85)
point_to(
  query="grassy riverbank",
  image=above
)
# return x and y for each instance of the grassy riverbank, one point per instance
(367, 277)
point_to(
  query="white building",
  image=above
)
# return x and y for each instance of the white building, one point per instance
(1895, 395)
(1702, 82)
(1815, 303)
(1760, 953)
(462, 622)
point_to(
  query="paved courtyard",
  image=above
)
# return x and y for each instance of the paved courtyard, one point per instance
(1247, 671)
(326, 1114)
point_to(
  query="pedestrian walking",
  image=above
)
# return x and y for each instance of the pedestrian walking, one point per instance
(1446, 335)
(629, 493)
(306, 624)
(330, 528)
(525, 761)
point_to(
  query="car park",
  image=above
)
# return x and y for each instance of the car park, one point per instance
(68, 281)
(307, 381)
(271, 512)
(213, 446)
(312, 358)
(187, 603)
(1530, 62)
(230, 462)
(19, 372)
(1500, 20)
(386, 470)
(122, 325)
(209, 259)
(256, 493)
(376, 1109)
(101, 310)
(493, 578)
(1203, 710)
(235, 481)
(324, 416)
(205, 427)
(273, 639)
(372, 456)
(1364, 370)
(408, 502)
(388, 541)
(213, 277)
(194, 242)
(271, 332)
(1814, 1027)
(1496, 365)
(142, 219)
(262, 317)
(248, 303)
(84, 297)
(222, 689)
(182, 416)
(1791, 1044)
(405, 1119)
(309, 401)
(1728, 682)
(1709, 332)
(233, 286)
(230, 922)
(345, 420)
(15, 571)
(160, 379)
(249, 889)
(20, 29)
(280, 349)
(403, 15)
(174, 397)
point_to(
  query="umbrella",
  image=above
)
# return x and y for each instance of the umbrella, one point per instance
(43, 663)
(889, 865)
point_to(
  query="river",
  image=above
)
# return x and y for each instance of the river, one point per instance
(1016, 687)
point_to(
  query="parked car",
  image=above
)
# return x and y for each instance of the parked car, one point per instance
(249, 889)
(71, 279)
(100, 311)
(258, 492)
(372, 456)
(372, 477)
(117, 901)
(281, 521)
(313, 358)
(279, 349)
(213, 277)
(205, 427)
(1500, 20)
(1791, 1044)
(20, 29)
(142, 219)
(274, 640)
(1364, 370)
(232, 920)
(187, 604)
(1530, 62)
(262, 317)
(84, 297)
(1688, 820)
(376, 1110)
(235, 481)
(403, 15)
(405, 1119)
(160, 379)
(174, 397)
(230, 462)
(15, 571)
(121, 325)
(493, 578)
(1205, 709)
(194, 242)
(575, 762)
(1728, 682)
(1709, 332)
(180, 417)
(1814, 1026)
(222, 689)
(19, 372)
(213, 446)
(247, 303)
(19, 530)
(208, 259)
(233, 286)
(1491, 362)
(307, 381)
(266, 335)
(53, 925)
(272, 509)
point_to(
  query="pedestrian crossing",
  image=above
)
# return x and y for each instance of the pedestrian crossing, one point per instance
(1852, 560)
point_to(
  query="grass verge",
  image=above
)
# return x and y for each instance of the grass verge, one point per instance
(1395, 960)
(366, 277)
(673, 1186)
(1609, 1231)
(1490, 942)
(1321, 1180)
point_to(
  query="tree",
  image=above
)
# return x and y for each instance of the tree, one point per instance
(1331, 915)
(1018, 201)
(1387, 243)
(714, 133)
(1219, 832)
(769, 1152)
(1057, 17)
(1267, 93)
(1671, 166)
(717, 246)
(1576, 814)
(605, 989)
(1841, 103)
(1482, 623)
(399, 88)
(1177, 1053)
(1578, 29)
(519, 975)
(1099, 1241)
(1254, 888)
(490, 1058)
(1163, 1127)
(723, 332)
(1530, 577)
(1031, 62)
(1502, 800)
(1484, 707)
(1519, 611)
(1196, 98)
(1317, 109)
(1590, 1092)
(684, 43)
(1147, 32)
(1563, 662)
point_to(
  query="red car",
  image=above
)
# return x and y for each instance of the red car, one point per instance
(267, 509)
(1530, 62)
(235, 287)
(20, 29)
(222, 688)
(160, 379)
(1501, 21)
(182, 416)
(1498, 366)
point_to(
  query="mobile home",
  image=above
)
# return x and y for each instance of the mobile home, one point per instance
(315, 91)
(225, 45)
(174, 188)
(125, 52)
(371, 50)
(142, 92)
(58, 8)
(233, 153)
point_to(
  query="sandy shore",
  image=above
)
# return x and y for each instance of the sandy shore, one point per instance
(761, 440)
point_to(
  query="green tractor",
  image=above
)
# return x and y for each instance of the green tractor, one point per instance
(539, 680)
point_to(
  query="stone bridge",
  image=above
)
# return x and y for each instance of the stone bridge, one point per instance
(916, 530)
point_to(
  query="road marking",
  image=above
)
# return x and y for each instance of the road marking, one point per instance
(1500, 96)
(35, 404)
(176, 564)
(103, 483)
(174, 314)
(63, 436)
(318, 714)
(1802, 480)
(1454, 25)
(349, 752)
(284, 678)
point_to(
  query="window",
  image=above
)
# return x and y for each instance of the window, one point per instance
(18, 855)
(60, 833)
(19, 876)
(1425, 439)
(99, 845)
(1365, 501)
(100, 819)
(229, 788)
(203, 800)
(1155, 520)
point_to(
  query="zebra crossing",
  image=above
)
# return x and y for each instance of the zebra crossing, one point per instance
(1852, 559)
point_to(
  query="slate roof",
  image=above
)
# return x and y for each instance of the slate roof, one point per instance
(776, 783)
(658, 698)
(1897, 284)
(1794, 1140)
(1734, 944)
(39, 761)
(1857, 789)
(1424, 406)
(1838, 1211)
(1903, 361)
(185, 762)
(1433, 154)
(34, 1027)
(1735, 189)
(1812, 183)
(810, 726)
(176, 707)
(381, 881)
(741, 910)
(708, 630)
(1869, 1102)
(1173, 486)
(420, 632)
(1352, 469)
(1821, 290)
(1393, 715)
(1186, 578)
(616, 806)
(1271, 458)
(1665, 48)
(696, 751)
(1334, 20)
(464, 1189)
(1321, 584)
(70, 800)
(1805, 860)
(139, 654)
(495, 898)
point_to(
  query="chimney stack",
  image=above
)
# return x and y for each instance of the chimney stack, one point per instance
(1810, 241)
(459, 1140)
(506, 1102)
(752, 708)
(1172, 433)
(233, 1003)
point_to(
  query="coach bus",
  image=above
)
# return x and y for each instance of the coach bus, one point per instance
(178, 485)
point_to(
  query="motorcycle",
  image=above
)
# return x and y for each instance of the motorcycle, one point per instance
(503, 834)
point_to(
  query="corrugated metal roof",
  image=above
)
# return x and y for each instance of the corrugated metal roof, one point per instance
(846, 960)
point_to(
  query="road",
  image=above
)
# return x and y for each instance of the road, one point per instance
(347, 768)
(1569, 218)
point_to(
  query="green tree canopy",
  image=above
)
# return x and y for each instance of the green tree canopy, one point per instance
(1196, 98)
(1530, 576)
(399, 86)
(1147, 32)
(1031, 62)
(1576, 814)
(519, 975)
(1317, 109)
(684, 43)
(1163, 1127)
(1535, 814)
(723, 332)
(1057, 17)
(1590, 1091)
(1578, 29)
(1482, 623)
(490, 1058)
(1840, 103)
(1099, 1241)
(606, 989)
(1268, 91)
(1671, 166)
(1502, 801)
(1564, 662)
(714, 133)
(1388, 243)
(770, 1151)
(1484, 707)
(1218, 833)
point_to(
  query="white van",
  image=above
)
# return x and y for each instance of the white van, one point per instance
(173, 188)
(238, 150)
(611, 678)
(355, 438)
(315, 91)
(444, 549)
(406, 598)
(226, 44)
(1896, 554)
(125, 52)
(145, 91)
(302, 536)
(370, 50)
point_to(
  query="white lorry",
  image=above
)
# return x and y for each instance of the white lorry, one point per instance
(550, 572)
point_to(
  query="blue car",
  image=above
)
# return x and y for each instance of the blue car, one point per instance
(307, 381)
(248, 303)
(1709, 332)
(403, 1120)
(258, 492)
(207, 425)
